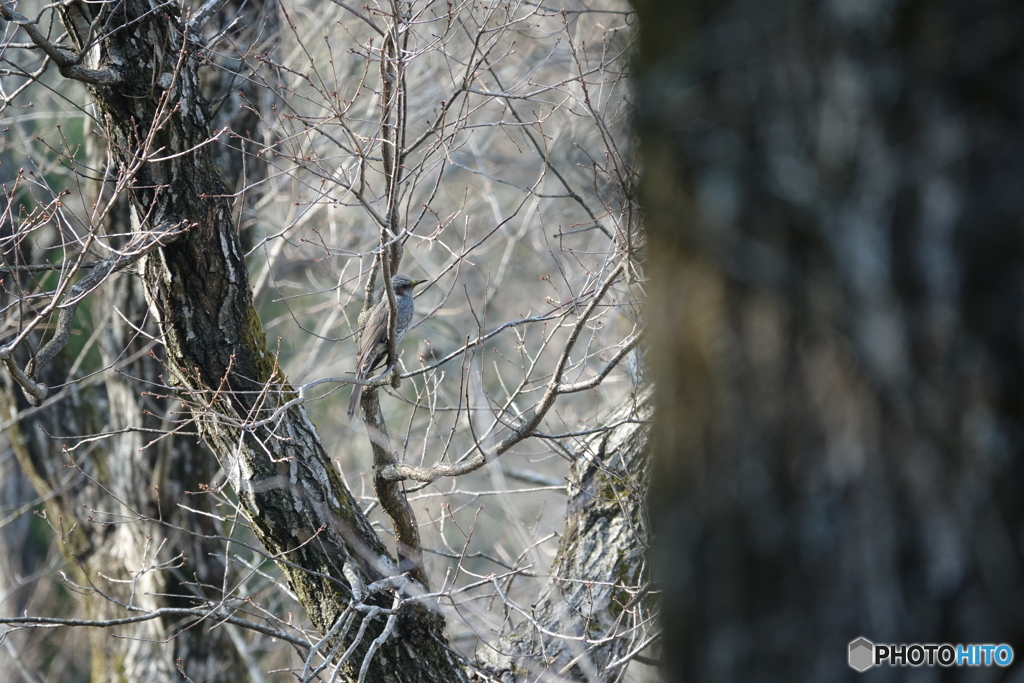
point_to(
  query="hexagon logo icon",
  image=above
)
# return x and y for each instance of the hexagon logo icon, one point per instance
(862, 654)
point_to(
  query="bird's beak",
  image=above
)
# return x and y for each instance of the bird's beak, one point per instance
(416, 282)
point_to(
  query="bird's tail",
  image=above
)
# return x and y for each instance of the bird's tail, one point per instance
(357, 396)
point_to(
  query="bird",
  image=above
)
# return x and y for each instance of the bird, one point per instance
(372, 349)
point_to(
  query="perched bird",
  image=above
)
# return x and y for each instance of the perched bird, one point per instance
(373, 345)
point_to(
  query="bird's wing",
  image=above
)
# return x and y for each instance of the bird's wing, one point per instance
(378, 321)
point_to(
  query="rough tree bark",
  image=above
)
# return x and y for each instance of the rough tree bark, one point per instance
(122, 478)
(143, 77)
(835, 226)
(594, 615)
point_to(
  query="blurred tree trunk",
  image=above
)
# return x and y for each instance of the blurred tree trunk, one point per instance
(837, 251)
(112, 482)
(244, 99)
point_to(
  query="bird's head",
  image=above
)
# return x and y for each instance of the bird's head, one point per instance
(403, 284)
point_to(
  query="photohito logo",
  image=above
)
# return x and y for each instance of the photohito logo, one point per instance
(864, 654)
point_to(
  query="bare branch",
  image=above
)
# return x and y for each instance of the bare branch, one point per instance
(401, 471)
(67, 63)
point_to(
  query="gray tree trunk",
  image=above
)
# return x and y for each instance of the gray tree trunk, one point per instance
(837, 248)
(217, 355)
(119, 472)
(596, 610)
